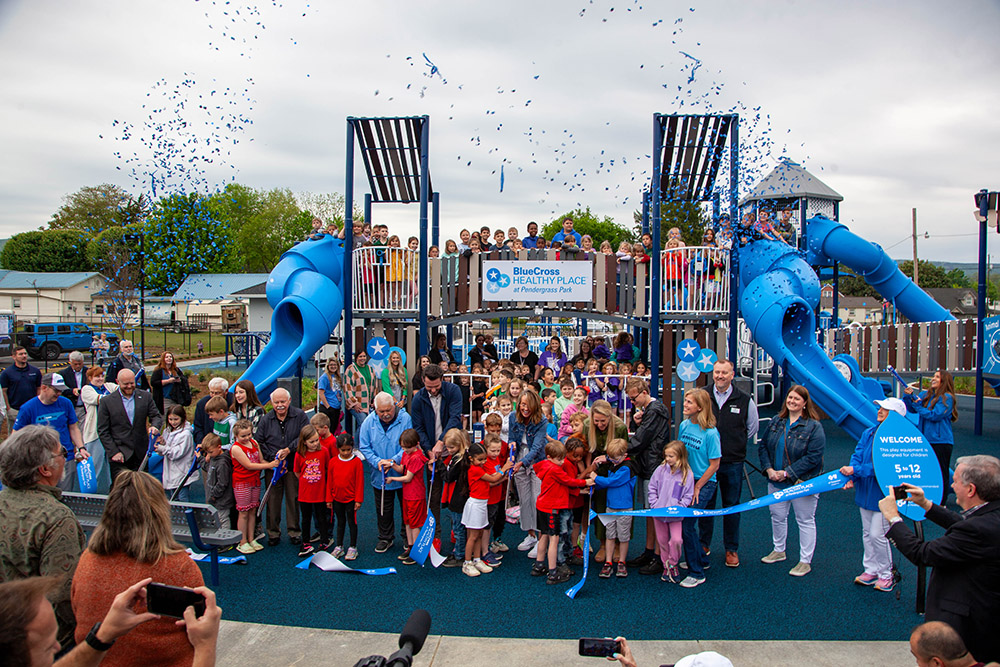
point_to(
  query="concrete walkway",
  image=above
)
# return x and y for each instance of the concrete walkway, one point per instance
(243, 644)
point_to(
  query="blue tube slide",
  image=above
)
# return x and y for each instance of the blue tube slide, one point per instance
(304, 290)
(780, 295)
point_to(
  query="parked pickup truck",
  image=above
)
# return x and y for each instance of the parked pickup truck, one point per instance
(49, 340)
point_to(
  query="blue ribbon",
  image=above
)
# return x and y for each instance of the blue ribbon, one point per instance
(571, 593)
(88, 478)
(830, 481)
(304, 565)
(425, 538)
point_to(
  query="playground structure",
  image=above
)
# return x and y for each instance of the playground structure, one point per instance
(773, 285)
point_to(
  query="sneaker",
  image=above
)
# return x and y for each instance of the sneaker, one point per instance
(866, 579)
(606, 571)
(528, 542)
(314, 537)
(533, 552)
(481, 566)
(273, 541)
(555, 577)
(683, 565)
(337, 552)
(498, 547)
(539, 569)
(305, 550)
(408, 560)
(645, 558)
(405, 554)
(671, 574)
(691, 582)
(665, 577)
(295, 541)
(245, 548)
(257, 546)
(653, 568)
(732, 559)
(565, 569)
(451, 561)
(773, 557)
(622, 571)
(469, 569)
(383, 546)
(800, 570)
(322, 546)
(578, 553)
(708, 551)
(491, 560)
(352, 553)
(576, 560)
(885, 585)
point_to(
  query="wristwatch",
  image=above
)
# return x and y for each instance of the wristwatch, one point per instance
(95, 643)
(894, 520)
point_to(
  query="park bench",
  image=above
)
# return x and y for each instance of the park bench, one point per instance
(195, 523)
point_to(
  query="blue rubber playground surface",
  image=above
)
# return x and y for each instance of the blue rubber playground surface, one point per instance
(752, 602)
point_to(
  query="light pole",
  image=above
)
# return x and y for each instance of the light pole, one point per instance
(141, 238)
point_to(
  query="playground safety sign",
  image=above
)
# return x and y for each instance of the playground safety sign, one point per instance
(537, 281)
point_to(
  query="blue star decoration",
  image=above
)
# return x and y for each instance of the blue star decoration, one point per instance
(688, 350)
(378, 348)
(493, 275)
(504, 280)
(706, 361)
(687, 371)
(492, 287)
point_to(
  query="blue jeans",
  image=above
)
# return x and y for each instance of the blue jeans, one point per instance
(730, 484)
(564, 524)
(357, 417)
(459, 530)
(183, 496)
(693, 554)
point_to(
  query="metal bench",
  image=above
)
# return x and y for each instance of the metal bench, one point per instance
(196, 523)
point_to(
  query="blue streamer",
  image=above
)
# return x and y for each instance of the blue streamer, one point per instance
(425, 539)
(571, 593)
(88, 478)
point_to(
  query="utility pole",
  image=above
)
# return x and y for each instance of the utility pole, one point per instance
(916, 272)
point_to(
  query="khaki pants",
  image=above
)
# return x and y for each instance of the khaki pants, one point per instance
(286, 489)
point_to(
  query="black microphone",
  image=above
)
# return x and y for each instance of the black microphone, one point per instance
(416, 630)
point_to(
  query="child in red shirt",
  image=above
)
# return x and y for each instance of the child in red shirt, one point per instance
(345, 490)
(321, 423)
(475, 517)
(310, 468)
(414, 490)
(494, 424)
(247, 465)
(575, 465)
(555, 516)
(496, 458)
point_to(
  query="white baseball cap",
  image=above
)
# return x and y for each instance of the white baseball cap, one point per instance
(704, 659)
(55, 381)
(892, 405)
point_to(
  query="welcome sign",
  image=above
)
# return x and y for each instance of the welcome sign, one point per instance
(537, 281)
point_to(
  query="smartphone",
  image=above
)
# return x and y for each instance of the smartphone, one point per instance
(173, 600)
(595, 647)
(899, 493)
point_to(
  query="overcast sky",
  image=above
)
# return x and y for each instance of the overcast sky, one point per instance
(892, 104)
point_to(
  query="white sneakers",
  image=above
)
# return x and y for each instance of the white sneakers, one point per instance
(533, 553)
(475, 567)
(528, 542)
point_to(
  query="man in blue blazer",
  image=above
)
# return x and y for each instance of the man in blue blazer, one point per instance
(435, 410)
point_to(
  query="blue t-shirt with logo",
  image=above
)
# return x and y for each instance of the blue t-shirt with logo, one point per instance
(59, 415)
(702, 445)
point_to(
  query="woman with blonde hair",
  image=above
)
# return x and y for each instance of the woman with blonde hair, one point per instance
(699, 435)
(395, 380)
(600, 428)
(134, 541)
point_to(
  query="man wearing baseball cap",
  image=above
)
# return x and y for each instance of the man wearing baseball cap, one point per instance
(52, 409)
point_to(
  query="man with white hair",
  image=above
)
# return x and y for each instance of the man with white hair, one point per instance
(379, 443)
(203, 425)
(75, 377)
(127, 358)
(278, 438)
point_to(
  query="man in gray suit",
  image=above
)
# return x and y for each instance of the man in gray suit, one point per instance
(121, 424)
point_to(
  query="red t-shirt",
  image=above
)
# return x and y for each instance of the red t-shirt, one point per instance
(240, 474)
(575, 499)
(414, 462)
(477, 487)
(556, 483)
(496, 492)
(449, 487)
(345, 480)
(329, 443)
(311, 471)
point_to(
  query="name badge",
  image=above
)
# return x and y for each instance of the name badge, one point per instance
(735, 409)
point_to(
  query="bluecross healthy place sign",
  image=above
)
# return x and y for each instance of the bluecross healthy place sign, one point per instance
(538, 281)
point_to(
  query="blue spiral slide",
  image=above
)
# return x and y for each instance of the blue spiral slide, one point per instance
(304, 290)
(780, 295)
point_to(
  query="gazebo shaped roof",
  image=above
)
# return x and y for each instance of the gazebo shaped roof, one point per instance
(790, 180)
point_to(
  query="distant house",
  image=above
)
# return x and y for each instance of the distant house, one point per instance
(38, 297)
(202, 295)
(860, 309)
(259, 315)
(961, 302)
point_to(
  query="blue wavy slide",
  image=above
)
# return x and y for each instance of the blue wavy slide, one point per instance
(781, 292)
(304, 290)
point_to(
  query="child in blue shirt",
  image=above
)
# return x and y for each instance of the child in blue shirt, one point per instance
(615, 476)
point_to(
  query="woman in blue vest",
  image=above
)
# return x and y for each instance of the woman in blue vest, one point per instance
(936, 409)
(791, 451)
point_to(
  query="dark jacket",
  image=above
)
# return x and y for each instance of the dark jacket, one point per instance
(645, 446)
(219, 481)
(271, 437)
(69, 377)
(457, 472)
(964, 588)
(478, 355)
(116, 433)
(181, 392)
(422, 413)
(118, 364)
(803, 449)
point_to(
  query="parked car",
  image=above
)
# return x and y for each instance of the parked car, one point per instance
(49, 340)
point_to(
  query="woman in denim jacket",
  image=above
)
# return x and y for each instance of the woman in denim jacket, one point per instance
(791, 452)
(936, 409)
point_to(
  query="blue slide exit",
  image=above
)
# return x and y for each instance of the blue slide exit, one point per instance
(304, 290)
(780, 294)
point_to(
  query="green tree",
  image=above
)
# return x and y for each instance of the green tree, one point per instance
(855, 286)
(92, 209)
(958, 278)
(115, 253)
(327, 206)
(48, 250)
(585, 222)
(183, 236)
(687, 216)
(930, 275)
(263, 224)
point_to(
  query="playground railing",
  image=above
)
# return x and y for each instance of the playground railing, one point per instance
(695, 280)
(918, 347)
(385, 280)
